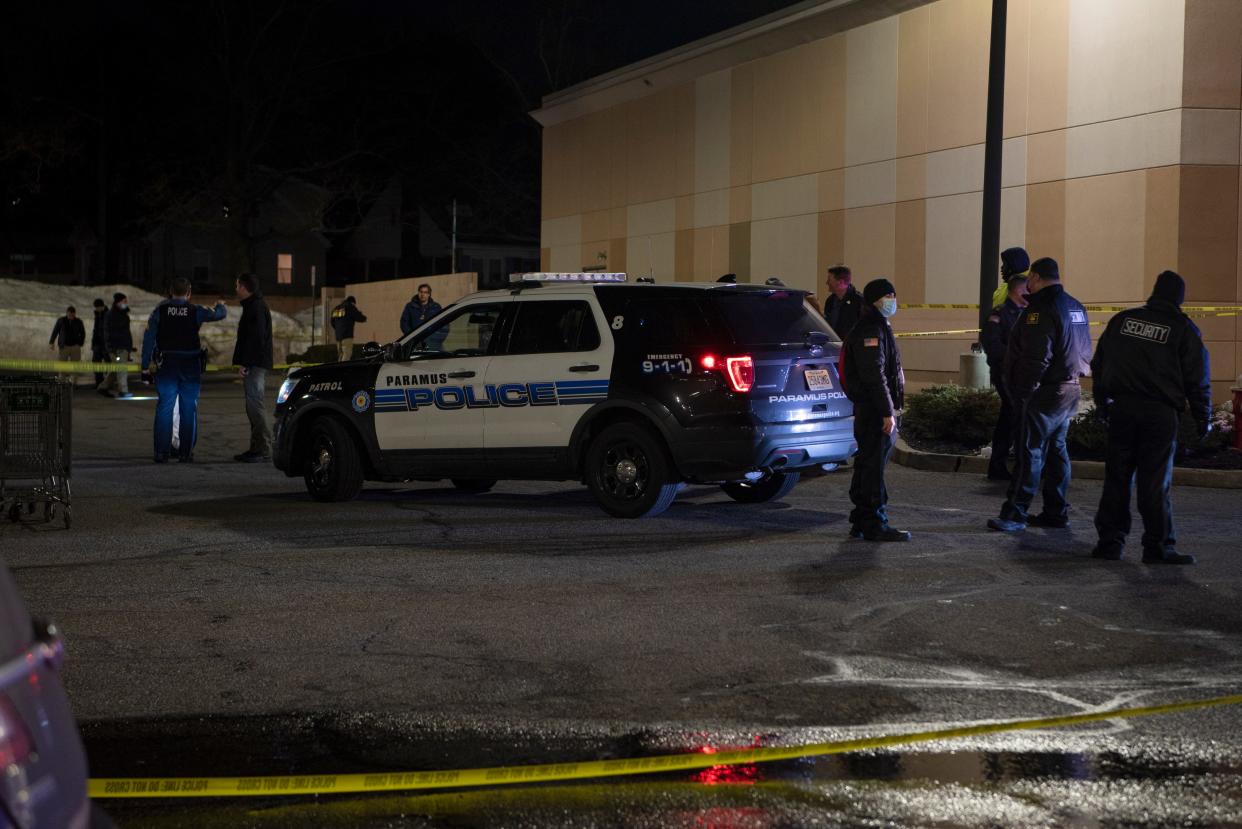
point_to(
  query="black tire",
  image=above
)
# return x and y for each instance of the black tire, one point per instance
(629, 472)
(473, 485)
(772, 488)
(332, 467)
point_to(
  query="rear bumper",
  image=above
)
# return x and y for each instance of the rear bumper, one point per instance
(716, 454)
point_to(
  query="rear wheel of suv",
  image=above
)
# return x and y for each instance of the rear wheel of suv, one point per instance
(774, 486)
(473, 485)
(629, 472)
(332, 467)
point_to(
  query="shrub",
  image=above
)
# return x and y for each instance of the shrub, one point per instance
(1087, 437)
(952, 414)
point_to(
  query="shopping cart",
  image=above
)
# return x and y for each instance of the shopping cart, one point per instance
(35, 432)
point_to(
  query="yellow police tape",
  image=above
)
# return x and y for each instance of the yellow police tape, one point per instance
(79, 367)
(311, 784)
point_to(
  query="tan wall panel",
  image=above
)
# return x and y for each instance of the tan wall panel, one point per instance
(1134, 143)
(1048, 96)
(957, 88)
(871, 92)
(959, 170)
(739, 251)
(711, 253)
(1013, 217)
(1161, 229)
(828, 150)
(1045, 220)
(618, 222)
(1046, 156)
(595, 255)
(591, 183)
(742, 123)
(711, 129)
(1212, 73)
(867, 184)
(545, 259)
(683, 255)
(870, 238)
(1105, 237)
(831, 246)
(566, 230)
(911, 177)
(652, 217)
(685, 212)
(562, 164)
(910, 260)
(1017, 66)
(711, 208)
(596, 226)
(782, 101)
(952, 246)
(913, 61)
(832, 190)
(785, 248)
(682, 101)
(653, 255)
(1208, 248)
(1210, 136)
(565, 258)
(784, 197)
(1013, 161)
(616, 254)
(618, 160)
(739, 204)
(651, 144)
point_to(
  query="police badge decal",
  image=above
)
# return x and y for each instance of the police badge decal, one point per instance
(361, 401)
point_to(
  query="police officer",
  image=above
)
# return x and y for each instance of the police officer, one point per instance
(1150, 362)
(173, 330)
(995, 341)
(844, 305)
(1049, 349)
(874, 382)
(343, 318)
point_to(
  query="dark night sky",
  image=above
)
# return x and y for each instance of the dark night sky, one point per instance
(216, 98)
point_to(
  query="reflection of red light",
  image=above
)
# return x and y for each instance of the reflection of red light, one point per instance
(744, 774)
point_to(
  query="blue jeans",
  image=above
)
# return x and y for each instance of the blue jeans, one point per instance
(1042, 454)
(255, 383)
(179, 378)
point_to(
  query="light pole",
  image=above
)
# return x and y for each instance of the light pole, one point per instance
(989, 248)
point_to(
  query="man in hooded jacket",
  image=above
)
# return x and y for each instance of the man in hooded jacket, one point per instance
(1149, 364)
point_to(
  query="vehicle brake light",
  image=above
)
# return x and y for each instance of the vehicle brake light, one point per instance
(15, 743)
(741, 371)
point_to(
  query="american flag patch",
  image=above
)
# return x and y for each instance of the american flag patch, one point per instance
(872, 342)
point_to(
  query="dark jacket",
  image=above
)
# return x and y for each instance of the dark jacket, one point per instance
(343, 318)
(1049, 345)
(67, 333)
(415, 314)
(117, 336)
(174, 331)
(995, 338)
(1154, 352)
(843, 313)
(872, 363)
(254, 334)
(97, 331)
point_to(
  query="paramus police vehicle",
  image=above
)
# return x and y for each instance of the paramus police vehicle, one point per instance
(631, 388)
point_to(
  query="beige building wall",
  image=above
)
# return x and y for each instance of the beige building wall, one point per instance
(383, 302)
(864, 145)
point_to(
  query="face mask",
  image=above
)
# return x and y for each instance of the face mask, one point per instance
(124, 306)
(888, 306)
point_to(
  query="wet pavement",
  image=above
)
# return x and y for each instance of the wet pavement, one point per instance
(219, 622)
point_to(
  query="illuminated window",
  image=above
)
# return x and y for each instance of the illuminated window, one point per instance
(284, 268)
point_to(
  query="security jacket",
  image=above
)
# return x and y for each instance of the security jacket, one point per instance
(872, 364)
(173, 328)
(343, 318)
(995, 337)
(1154, 352)
(1050, 344)
(842, 313)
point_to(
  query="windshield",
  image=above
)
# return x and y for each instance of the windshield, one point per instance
(770, 317)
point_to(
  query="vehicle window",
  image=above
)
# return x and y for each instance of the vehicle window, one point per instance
(465, 332)
(667, 323)
(549, 327)
(770, 317)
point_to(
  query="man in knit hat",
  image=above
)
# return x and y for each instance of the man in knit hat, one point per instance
(1049, 350)
(874, 382)
(1149, 364)
(1014, 262)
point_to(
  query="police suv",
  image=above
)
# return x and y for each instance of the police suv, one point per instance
(632, 388)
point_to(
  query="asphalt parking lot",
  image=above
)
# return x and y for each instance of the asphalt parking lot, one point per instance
(418, 627)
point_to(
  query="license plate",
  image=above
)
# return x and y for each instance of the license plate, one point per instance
(818, 379)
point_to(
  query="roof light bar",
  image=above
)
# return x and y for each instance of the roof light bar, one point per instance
(567, 277)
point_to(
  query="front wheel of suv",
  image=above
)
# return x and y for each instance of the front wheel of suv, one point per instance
(775, 486)
(629, 472)
(333, 469)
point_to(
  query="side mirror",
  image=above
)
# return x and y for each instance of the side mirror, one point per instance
(372, 349)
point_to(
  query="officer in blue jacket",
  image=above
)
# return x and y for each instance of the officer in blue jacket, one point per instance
(1049, 350)
(172, 330)
(1150, 365)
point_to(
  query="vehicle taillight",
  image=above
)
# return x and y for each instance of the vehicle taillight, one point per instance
(741, 372)
(15, 742)
(708, 361)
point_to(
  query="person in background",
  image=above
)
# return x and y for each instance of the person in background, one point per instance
(253, 357)
(68, 337)
(875, 383)
(171, 343)
(344, 316)
(1049, 350)
(99, 353)
(418, 310)
(1149, 364)
(119, 344)
(995, 341)
(1014, 262)
(844, 305)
